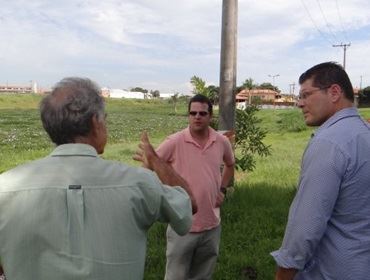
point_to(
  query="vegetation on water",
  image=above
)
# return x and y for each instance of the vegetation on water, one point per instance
(253, 216)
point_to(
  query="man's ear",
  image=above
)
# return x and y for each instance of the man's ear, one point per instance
(95, 125)
(335, 92)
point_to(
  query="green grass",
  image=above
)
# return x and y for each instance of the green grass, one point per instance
(253, 217)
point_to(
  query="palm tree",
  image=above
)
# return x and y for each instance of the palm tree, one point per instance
(199, 86)
(249, 84)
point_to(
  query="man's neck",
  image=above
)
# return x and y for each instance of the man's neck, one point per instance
(201, 137)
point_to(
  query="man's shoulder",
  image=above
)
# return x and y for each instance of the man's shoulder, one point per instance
(179, 134)
(23, 167)
(175, 138)
(343, 130)
(136, 175)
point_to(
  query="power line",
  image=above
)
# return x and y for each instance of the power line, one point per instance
(341, 21)
(326, 22)
(314, 23)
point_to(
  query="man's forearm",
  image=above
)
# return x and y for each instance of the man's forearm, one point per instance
(169, 176)
(147, 155)
(227, 175)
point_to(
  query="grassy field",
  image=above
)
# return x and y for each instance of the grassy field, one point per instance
(253, 217)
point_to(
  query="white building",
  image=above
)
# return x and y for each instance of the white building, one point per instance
(120, 93)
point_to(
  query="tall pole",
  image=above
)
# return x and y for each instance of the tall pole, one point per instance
(273, 78)
(344, 46)
(228, 64)
(292, 88)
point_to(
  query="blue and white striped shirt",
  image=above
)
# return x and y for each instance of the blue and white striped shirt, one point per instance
(328, 230)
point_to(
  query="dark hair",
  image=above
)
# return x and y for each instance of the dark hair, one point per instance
(67, 111)
(328, 73)
(201, 99)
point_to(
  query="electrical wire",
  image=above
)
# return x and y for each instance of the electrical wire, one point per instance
(341, 21)
(314, 23)
(326, 22)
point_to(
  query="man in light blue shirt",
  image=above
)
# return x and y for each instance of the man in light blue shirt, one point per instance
(328, 230)
(73, 215)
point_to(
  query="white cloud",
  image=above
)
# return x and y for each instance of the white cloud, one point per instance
(160, 44)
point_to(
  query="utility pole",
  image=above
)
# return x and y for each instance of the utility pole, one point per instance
(273, 78)
(361, 82)
(344, 46)
(228, 64)
(292, 88)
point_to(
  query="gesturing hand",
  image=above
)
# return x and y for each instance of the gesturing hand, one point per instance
(145, 153)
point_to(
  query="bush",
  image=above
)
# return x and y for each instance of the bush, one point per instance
(291, 121)
(248, 138)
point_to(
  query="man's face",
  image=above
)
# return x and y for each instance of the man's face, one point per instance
(199, 117)
(315, 103)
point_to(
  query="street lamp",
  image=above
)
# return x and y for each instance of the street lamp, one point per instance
(273, 78)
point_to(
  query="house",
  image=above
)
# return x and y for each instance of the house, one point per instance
(267, 98)
(247, 95)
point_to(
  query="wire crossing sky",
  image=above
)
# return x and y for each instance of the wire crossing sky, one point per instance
(161, 44)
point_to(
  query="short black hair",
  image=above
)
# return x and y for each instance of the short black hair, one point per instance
(328, 73)
(201, 99)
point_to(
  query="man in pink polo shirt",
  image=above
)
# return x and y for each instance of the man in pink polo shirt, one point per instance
(198, 153)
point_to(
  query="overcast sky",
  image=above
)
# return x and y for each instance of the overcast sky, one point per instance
(161, 44)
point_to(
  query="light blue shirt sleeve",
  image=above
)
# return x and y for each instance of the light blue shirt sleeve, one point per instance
(322, 169)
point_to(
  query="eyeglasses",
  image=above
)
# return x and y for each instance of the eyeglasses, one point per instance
(201, 113)
(306, 94)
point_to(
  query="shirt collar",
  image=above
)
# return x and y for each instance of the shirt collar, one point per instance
(342, 114)
(211, 136)
(74, 150)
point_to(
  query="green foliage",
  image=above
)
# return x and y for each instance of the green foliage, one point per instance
(249, 84)
(253, 217)
(199, 87)
(364, 97)
(139, 89)
(291, 121)
(155, 93)
(213, 94)
(268, 86)
(248, 138)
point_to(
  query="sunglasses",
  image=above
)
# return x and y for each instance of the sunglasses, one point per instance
(201, 113)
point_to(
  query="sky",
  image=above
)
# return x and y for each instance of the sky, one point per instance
(161, 44)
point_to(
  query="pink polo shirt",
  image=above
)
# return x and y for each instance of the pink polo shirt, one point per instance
(201, 168)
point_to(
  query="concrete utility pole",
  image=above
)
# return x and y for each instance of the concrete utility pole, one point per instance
(228, 64)
(292, 88)
(344, 46)
(273, 78)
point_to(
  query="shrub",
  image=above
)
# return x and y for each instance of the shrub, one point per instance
(291, 121)
(248, 138)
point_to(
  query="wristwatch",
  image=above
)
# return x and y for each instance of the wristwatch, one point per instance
(223, 190)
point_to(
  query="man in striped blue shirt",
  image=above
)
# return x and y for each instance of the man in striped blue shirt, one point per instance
(328, 230)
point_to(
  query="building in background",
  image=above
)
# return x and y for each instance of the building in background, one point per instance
(13, 88)
(121, 93)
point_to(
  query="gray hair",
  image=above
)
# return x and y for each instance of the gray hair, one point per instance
(67, 111)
